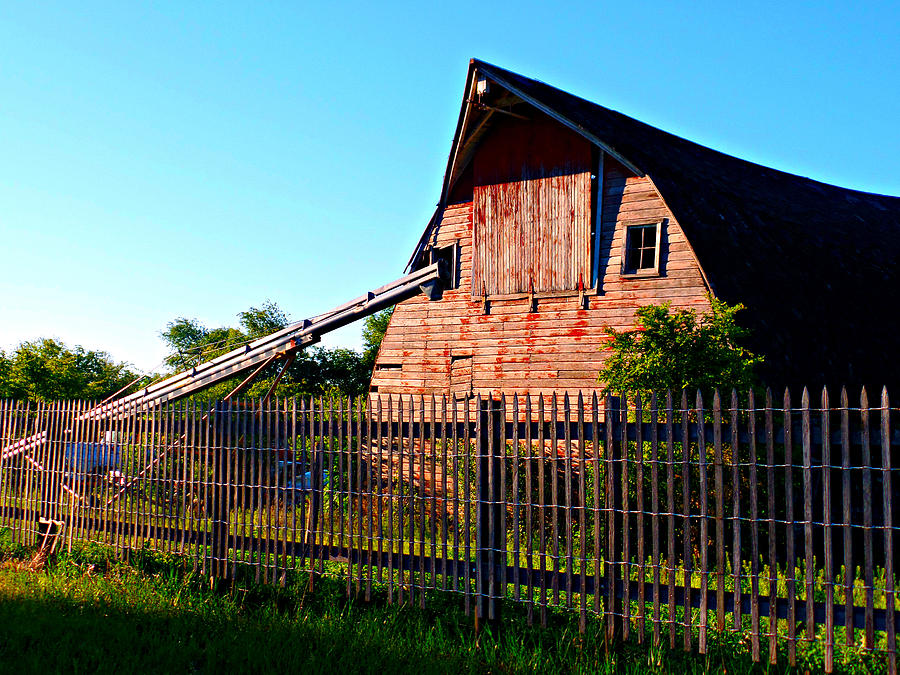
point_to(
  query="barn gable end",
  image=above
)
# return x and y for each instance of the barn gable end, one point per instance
(540, 242)
(492, 334)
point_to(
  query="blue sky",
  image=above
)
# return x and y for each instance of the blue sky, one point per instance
(194, 159)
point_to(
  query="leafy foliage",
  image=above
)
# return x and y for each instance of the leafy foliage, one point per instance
(374, 328)
(679, 350)
(316, 371)
(47, 370)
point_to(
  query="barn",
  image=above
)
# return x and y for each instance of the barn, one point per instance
(559, 217)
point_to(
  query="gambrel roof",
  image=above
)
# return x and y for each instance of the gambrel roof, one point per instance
(815, 264)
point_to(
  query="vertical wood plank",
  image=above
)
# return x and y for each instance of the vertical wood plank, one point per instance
(501, 513)
(654, 510)
(554, 494)
(846, 523)
(806, 432)
(568, 494)
(516, 497)
(338, 485)
(376, 480)
(411, 500)
(889, 597)
(295, 455)
(376, 491)
(736, 507)
(582, 517)
(530, 491)
(828, 572)
(754, 530)
(773, 563)
(423, 509)
(869, 570)
(791, 561)
(456, 502)
(357, 508)
(626, 523)
(445, 495)
(639, 505)
(542, 508)
(595, 428)
(670, 504)
(704, 525)
(610, 418)
(467, 499)
(718, 478)
(686, 518)
(400, 498)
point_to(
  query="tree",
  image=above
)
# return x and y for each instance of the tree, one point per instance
(260, 321)
(679, 350)
(315, 371)
(374, 328)
(47, 370)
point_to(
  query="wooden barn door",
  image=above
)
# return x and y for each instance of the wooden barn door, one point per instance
(532, 209)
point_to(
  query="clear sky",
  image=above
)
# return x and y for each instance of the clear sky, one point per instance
(194, 159)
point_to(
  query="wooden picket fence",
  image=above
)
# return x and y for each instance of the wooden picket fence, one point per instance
(666, 519)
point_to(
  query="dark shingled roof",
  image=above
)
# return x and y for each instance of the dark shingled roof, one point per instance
(815, 264)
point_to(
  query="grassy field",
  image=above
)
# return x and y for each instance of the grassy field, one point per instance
(88, 612)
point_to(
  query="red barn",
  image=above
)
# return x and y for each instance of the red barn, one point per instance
(559, 217)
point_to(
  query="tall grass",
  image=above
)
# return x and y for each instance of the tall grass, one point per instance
(89, 612)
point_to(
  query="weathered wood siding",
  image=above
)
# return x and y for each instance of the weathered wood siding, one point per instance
(559, 347)
(532, 209)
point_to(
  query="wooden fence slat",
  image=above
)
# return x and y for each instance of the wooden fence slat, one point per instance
(889, 598)
(468, 501)
(736, 508)
(828, 572)
(654, 508)
(445, 500)
(410, 497)
(609, 565)
(718, 477)
(639, 508)
(401, 581)
(554, 496)
(568, 497)
(789, 568)
(598, 550)
(339, 486)
(542, 508)
(582, 518)
(773, 562)
(754, 531)
(704, 524)
(806, 434)
(530, 491)
(849, 571)
(498, 509)
(869, 570)
(228, 459)
(626, 523)
(670, 507)
(332, 483)
(377, 492)
(422, 507)
(686, 518)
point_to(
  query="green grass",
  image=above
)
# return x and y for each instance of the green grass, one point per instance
(89, 612)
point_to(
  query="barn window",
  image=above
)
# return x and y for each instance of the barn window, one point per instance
(449, 256)
(641, 255)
